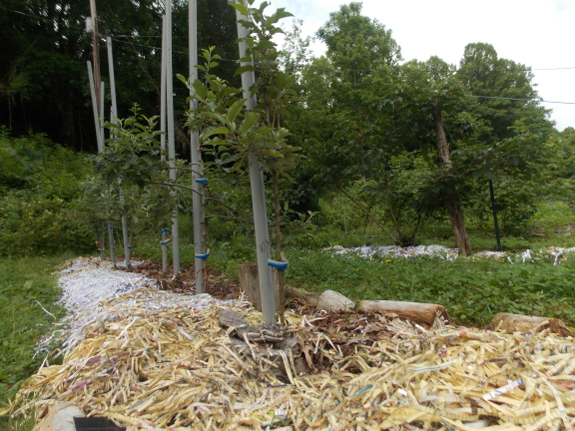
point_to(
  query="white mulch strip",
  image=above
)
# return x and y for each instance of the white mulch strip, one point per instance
(393, 251)
(89, 282)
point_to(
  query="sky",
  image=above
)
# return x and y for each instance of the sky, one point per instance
(536, 33)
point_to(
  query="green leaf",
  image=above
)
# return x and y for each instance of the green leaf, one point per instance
(183, 79)
(250, 120)
(241, 8)
(200, 89)
(210, 131)
(242, 69)
(235, 109)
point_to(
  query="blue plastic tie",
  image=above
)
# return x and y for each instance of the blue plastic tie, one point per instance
(203, 256)
(130, 246)
(113, 248)
(165, 230)
(162, 243)
(203, 181)
(282, 266)
(111, 227)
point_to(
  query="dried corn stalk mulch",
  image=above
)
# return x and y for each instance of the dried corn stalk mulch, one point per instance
(175, 368)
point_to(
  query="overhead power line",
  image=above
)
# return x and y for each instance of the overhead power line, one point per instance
(521, 100)
(116, 38)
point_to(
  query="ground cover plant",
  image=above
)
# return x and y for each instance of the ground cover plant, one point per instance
(25, 283)
(472, 290)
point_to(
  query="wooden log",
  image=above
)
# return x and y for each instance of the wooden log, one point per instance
(249, 283)
(311, 299)
(420, 313)
(520, 323)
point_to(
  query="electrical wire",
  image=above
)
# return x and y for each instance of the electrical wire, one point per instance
(522, 100)
(116, 38)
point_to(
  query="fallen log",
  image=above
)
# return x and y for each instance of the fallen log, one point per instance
(520, 323)
(423, 314)
(311, 299)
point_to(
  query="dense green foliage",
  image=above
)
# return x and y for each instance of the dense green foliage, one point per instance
(41, 212)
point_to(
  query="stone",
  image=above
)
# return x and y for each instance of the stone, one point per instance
(229, 318)
(60, 417)
(334, 301)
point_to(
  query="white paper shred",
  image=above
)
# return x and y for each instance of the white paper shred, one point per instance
(89, 283)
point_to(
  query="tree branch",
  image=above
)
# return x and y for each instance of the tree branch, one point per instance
(227, 206)
(159, 183)
(366, 212)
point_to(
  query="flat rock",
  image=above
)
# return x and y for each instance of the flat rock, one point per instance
(230, 318)
(60, 417)
(331, 300)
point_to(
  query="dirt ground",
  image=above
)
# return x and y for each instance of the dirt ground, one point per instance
(216, 285)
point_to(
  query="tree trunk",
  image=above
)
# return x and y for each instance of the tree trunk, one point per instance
(459, 231)
(455, 211)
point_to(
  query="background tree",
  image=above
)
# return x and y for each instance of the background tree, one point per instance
(496, 80)
(43, 77)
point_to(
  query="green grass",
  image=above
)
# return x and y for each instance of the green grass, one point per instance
(472, 290)
(22, 282)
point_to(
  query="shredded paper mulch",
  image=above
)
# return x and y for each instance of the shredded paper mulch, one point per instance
(154, 360)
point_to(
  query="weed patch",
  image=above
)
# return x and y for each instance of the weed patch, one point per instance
(472, 290)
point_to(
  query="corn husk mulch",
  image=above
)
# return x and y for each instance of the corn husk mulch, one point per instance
(175, 368)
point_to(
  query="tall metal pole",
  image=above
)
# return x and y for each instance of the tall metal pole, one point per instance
(163, 91)
(110, 227)
(95, 50)
(258, 194)
(171, 135)
(163, 129)
(114, 115)
(95, 106)
(102, 113)
(112, 80)
(197, 168)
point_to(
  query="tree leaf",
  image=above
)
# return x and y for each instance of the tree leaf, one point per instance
(241, 8)
(235, 109)
(250, 120)
(210, 131)
(242, 69)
